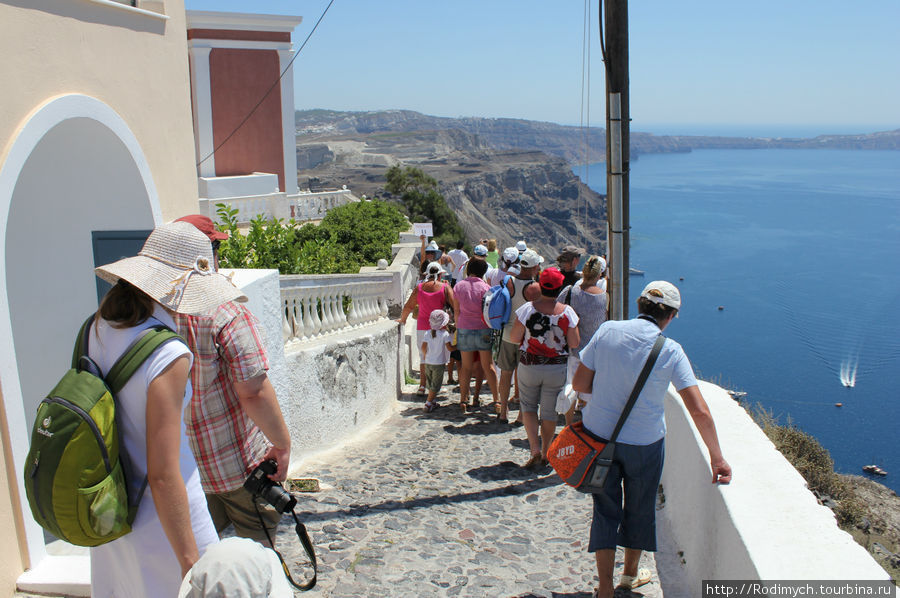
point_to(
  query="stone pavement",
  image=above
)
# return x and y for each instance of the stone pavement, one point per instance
(435, 504)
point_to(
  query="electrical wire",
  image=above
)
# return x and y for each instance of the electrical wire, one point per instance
(274, 84)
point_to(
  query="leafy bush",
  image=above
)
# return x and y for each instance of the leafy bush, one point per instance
(355, 234)
(814, 463)
(423, 203)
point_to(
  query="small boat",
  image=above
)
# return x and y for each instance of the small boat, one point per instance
(737, 395)
(838, 404)
(874, 470)
(635, 272)
(721, 308)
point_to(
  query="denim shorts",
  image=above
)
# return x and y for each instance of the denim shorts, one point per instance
(632, 525)
(474, 340)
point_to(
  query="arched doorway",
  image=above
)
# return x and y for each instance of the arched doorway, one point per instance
(75, 168)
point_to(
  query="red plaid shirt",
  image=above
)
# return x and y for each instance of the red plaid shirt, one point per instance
(227, 348)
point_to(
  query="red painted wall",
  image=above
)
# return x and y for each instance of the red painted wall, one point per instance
(238, 79)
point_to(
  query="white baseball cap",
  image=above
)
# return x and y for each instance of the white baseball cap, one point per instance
(521, 246)
(510, 255)
(480, 250)
(660, 291)
(530, 258)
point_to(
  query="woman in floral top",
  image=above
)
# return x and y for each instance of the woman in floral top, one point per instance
(546, 329)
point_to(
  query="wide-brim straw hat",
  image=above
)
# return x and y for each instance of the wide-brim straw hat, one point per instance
(175, 268)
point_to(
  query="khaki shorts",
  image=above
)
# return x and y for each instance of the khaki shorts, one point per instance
(237, 508)
(508, 356)
(434, 377)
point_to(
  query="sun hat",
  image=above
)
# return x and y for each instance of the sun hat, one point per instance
(236, 568)
(480, 250)
(660, 291)
(438, 319)
(432, 246)
(205, 225)
(569, 252)
(510, 255)
(530, 259)
(551, 279)
(175, 268)
(521, 246)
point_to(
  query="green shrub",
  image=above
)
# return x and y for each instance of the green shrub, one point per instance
(352, 235)
(423, 202)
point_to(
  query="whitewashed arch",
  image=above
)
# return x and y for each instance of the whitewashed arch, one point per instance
(44, 119)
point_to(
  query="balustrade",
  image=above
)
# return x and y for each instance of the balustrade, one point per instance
(314, 306)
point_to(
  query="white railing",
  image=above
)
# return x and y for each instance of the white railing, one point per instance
(248, 207)
(316, 305)
(301, 207)
(314, 206)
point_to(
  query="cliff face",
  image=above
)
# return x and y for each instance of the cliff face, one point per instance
(506, 195)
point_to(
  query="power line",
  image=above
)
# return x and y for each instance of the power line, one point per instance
(274, 84)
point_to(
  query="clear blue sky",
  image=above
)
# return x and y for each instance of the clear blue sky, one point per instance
(765, 67)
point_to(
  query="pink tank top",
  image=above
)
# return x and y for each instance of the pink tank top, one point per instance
(428, 302)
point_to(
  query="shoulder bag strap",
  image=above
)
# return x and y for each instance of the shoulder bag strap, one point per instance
(639, 385)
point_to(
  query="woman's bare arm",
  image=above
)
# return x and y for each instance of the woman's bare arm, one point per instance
(165, 396)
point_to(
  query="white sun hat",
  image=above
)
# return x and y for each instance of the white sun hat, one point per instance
(175, 268)
(660, 291)
(236, 568)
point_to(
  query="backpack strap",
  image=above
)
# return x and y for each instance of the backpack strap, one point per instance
(81, 342)
(142, 348)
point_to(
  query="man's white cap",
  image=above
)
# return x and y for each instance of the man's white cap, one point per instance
(236, 568)
(480, 250)
(660, 291)
(511, 255)
(530, 258)
(521, 246)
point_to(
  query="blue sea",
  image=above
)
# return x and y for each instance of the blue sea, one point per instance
(801, 249)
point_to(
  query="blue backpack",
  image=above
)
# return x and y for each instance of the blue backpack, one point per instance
(496, 305)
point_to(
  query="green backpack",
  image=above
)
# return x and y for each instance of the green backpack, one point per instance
(74, 478)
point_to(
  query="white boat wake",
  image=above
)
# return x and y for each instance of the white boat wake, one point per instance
(849, 366)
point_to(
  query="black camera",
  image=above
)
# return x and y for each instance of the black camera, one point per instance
(260, 485)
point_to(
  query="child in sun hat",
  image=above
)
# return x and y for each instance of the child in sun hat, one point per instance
(436, 351)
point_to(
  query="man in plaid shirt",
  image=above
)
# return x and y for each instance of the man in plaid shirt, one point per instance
(234, 421)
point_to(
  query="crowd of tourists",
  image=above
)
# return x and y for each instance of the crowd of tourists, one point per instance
(564, 357)
(202, 428)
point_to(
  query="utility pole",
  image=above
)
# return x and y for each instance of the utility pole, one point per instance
(617, 151)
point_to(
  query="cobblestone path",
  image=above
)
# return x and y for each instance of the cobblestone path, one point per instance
(435, 504)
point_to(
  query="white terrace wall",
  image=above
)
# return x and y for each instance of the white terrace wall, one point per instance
(332, 384)
(765, 525)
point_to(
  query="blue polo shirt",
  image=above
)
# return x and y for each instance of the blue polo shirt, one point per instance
(616, 354)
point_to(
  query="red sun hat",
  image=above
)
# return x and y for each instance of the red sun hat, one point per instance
(551, 279)
(204, 225)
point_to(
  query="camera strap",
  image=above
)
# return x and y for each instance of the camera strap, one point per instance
(302, 534)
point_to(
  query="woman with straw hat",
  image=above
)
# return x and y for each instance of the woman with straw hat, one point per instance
(172, 273)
